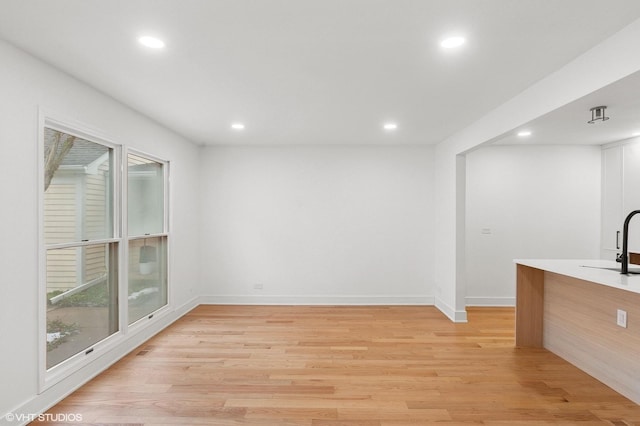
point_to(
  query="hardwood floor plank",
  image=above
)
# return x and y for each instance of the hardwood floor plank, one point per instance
(344, 365)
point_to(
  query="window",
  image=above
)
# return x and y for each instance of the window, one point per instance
(104, 263)
(147, 249)
(81, 244)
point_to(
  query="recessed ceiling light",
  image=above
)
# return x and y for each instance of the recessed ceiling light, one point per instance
(635, 134)
(237, 126)
(390, 126)
(151, 42)
(452, 42)
(524, 133)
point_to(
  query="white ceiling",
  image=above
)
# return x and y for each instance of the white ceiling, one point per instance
(569, 125)
(312, 71)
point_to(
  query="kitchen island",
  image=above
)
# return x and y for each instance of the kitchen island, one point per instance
(570, 307)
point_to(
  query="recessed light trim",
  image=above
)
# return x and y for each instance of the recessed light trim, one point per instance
(390, 126)
(452, 42)
(524, 133)
(237, 126)
(151, 42)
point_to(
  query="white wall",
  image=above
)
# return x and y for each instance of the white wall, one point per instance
(536, 202)
(318, 224)
(27, 84)
(605, 63)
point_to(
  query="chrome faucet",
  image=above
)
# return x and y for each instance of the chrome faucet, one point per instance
(624, 256)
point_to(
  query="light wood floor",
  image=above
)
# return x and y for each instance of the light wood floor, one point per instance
(312, 365)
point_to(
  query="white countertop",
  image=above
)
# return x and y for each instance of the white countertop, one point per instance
(589, 270)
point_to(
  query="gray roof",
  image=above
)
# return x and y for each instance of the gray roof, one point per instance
(83, 152)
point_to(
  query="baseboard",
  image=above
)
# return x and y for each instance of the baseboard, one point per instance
(50, 397)
(452, 314)
(315, 300)
(491, 301)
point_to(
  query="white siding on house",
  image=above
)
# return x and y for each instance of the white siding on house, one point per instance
(60, 216)
(60, 227)
(76, 207)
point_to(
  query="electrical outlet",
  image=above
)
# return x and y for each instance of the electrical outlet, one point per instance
(622, 318)
(257, 286)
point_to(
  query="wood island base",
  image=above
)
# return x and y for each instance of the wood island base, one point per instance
(576, 320)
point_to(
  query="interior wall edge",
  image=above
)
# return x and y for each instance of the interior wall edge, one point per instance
(603, 64)
(451, 313)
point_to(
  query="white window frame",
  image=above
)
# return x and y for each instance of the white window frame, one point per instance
(163, 310)
(49, 377)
